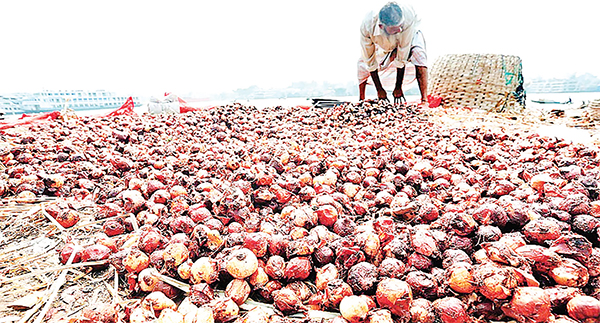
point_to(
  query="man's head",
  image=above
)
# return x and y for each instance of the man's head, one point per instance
(390, 17)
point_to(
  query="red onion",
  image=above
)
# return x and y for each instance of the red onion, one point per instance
(238, 290)
(297, 268)
(67, 250)
(135, 261)
(242, 264)
(354, 308)
(362, 277)
(460, 278)
(570, 273)
(395, 295)
(528, 304)
(259, 278)
(94, 253)
(224, 309)
(287, 301)
(451, 310)
(335, 291)
(422, 311)
(325, 275)
(584, 308)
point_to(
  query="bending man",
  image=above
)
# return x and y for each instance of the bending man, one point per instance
(390, 39)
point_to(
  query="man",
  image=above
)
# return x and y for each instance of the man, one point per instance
(390, 39)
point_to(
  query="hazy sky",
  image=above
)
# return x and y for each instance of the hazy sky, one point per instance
(211, 46)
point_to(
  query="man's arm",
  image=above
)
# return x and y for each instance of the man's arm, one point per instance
(381, 94)
(398, 93)
(421, 72)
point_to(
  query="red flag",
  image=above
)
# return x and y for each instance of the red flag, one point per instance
(28, 119)
(125, 109)
(184, 106)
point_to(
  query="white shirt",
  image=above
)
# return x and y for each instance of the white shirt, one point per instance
(372, 36)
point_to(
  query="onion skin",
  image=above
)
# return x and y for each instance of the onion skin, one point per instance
(380, 316)
(562, 319)
(395, 295)
(362, 277)
(267, 291)
(544, 259)
(560, 295)
(242, 264)
(391, 268)
(422, 311)
(169, 316)
(316, 301)
(335, 291)
(201, 294)
(185, 270)
(259, 278)
(327, 215)
(175, 254)
(140, 315)
(151, 240)
(147, 280)
(301, 289)
(204, 270)
(422, 284)
(287, 301)
(157, 301)
(255, 315)
(538, 231)
(354, 309)
(324, 275)
(453, 256)
(584, 308)
(460, 279)
(275, 267)
(169, 290)
(68, 218)
(100, 312)
(135, 261)
(495, 283)
(238, 290)
(224, 309)
(528, 304)
(111, 243)
(94, 253)
(67, 250)
(113, 228)
(257, 243)
(593, 263)
(419, 262)
(298, 268)
(570, 273)
(324, 255)
(451, 310)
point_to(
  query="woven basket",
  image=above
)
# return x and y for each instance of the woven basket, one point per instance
(489, 82)
(593, 109)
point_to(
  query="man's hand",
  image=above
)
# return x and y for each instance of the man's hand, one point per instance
(382, 94)
(398, 93)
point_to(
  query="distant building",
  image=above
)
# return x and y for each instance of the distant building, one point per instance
(583, 83)
(544, 86)
(46, 101)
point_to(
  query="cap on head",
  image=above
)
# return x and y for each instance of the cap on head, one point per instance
(390, 14)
